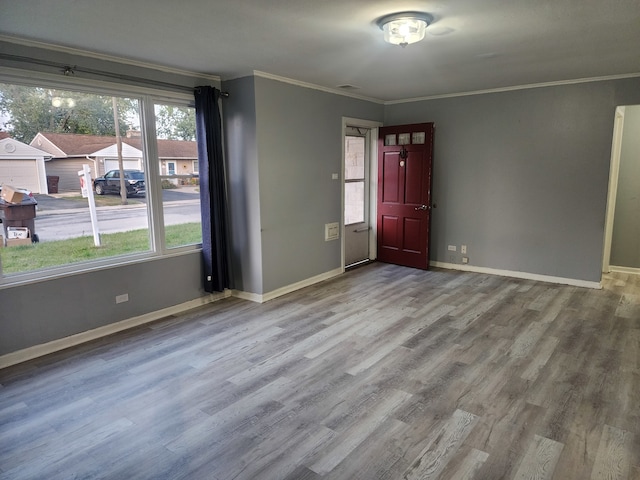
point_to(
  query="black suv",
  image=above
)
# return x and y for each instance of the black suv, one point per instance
(110, 183)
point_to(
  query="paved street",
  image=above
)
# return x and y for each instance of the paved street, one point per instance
(58, 219)
(77, 222)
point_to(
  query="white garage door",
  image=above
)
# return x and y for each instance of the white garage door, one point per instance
(20, 174)
(127, 164)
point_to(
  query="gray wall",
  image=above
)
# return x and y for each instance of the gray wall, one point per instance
(300, 143)
(625, 243)
(521, 176)
(281, 191)
(49, 310)
(244, 183)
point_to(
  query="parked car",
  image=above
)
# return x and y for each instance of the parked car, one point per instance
(110, 183)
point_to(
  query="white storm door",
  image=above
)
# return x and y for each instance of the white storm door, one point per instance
(356, 196)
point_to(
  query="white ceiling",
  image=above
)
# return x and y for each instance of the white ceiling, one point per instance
(472, 44)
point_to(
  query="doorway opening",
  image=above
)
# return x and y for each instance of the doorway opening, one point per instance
(359, 191)
(621, 248)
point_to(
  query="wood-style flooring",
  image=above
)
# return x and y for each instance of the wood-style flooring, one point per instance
(382, 373)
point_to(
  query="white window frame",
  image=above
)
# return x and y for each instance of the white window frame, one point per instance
(147, 97)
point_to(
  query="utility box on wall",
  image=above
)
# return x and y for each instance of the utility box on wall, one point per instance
(331, 231)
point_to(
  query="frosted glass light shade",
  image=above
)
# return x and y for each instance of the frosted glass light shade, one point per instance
(404, 28)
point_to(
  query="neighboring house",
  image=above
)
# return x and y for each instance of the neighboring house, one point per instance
(178, 157)
(22, 165)
(70, 151)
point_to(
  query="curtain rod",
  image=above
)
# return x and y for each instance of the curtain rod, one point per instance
(70, 71)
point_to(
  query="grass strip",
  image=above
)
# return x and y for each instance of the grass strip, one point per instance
(26, 258)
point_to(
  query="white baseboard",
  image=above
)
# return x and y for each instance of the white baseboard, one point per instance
(631, 270)
(261, 298)
(252, 297)
(36, 351)
(524, 275)
(30, 353)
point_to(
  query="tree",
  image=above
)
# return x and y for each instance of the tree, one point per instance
(29, 110)
(116, 121)
(175, 123)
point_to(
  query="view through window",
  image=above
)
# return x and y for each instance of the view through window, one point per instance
(354, 178)
(48, 136)
(178, 155)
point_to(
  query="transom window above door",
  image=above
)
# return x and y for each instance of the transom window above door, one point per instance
(413, 138)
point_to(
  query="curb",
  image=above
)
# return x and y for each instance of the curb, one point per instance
(42, 213)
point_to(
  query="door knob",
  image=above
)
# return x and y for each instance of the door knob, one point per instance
(422, 207)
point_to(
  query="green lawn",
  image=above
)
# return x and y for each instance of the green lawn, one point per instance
(61, 252)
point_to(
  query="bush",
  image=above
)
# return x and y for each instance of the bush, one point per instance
(168, 185)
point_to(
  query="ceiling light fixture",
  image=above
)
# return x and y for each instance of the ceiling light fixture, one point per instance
(404, 28)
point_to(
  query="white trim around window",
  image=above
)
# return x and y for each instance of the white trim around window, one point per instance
(146, 97)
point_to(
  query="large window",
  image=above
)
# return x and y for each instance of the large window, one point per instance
(49, 135)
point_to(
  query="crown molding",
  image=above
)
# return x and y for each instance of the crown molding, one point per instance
(216, 78)
(313, 86)
(108, 58)
(515, 87)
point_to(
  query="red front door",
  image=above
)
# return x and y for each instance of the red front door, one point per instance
(404, 194)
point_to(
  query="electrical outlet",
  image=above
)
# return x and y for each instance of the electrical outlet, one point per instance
(465, 259)
(463, 249)
(122, 298)
(452, 248)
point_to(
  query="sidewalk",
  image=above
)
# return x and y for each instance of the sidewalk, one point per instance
(58, 203)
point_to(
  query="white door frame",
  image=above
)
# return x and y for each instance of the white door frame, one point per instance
(373, 181)
(614, 171)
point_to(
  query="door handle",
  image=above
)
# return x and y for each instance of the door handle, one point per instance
(422, 207)
(363, 229)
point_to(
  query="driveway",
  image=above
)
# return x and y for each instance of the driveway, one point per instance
(57, 202)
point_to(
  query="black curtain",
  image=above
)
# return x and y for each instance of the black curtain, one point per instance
(212, 190)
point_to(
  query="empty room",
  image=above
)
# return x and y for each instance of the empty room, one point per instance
(320, 240)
